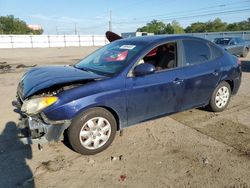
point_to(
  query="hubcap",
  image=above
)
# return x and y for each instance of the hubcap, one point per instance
(95, 133)
(222, 97)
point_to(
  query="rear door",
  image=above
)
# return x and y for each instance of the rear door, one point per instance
(201, 72)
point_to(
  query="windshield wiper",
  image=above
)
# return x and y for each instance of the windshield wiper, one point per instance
(82, 68)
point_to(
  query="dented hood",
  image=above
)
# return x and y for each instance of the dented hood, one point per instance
(41, 78)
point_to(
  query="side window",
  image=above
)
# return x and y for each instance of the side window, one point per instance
(195, 52)
(163, 56)
(215, 51)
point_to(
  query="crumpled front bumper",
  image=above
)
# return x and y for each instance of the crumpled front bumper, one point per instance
(38, 129)
(40, 132)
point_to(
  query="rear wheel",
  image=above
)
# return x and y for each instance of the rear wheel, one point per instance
(92, 131)
(220, 97)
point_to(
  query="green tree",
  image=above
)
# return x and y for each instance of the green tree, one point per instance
(169, 29)
(196, 27)
(154, 26)
(233, 27)
(158, 27)
(11, 25)
(177, 28)
(216, 25)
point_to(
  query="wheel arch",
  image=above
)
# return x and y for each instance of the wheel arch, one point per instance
(231, 83)
(114, 113)
(111, 110)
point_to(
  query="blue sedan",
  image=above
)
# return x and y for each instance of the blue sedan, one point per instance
(121, 84)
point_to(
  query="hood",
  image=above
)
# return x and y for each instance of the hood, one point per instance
(41, 78)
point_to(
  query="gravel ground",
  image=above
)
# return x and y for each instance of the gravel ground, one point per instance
(194, 148)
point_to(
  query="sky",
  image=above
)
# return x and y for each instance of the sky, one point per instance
(92, 17)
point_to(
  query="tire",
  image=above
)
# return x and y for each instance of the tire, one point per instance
(245, 52)
(220, 97)
(86, 137)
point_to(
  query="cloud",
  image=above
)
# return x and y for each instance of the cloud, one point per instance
(101, 18)
(63, 19)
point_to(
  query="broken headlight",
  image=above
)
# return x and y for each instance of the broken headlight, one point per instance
(33, 106)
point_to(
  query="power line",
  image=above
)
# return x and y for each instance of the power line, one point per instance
(190, 16)
(202, 9)
(209, 14)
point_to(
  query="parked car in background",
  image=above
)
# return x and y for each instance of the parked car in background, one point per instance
(235, 46)
(124, 83)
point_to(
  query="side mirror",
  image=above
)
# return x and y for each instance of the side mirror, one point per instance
(144, 69)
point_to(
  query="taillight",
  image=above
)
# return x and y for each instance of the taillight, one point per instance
(238, 62)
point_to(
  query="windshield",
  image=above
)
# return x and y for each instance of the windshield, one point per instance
(222, 41)
(110, 59)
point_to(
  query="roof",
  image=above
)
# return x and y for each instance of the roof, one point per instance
(225, 38)
(155, 38)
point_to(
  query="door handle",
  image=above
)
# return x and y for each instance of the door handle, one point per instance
(178, 81)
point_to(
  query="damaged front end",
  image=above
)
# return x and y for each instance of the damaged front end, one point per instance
(37, 129)
(38, 90)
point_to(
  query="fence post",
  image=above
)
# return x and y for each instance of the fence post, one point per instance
(49, 41)
(11, 41)
(79, 38)
(243, 35)
(64, 37)
(93, 40)
(31, 41)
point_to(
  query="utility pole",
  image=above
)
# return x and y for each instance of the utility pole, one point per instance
(56, 30)
(75, 29)
(110, 20)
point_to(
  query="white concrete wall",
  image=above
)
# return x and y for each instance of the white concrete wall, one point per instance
(47, 41)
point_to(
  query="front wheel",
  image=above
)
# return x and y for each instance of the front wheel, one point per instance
(220, 97)
(92, 131)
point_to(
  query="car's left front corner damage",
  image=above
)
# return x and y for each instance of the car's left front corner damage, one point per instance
(36, 128)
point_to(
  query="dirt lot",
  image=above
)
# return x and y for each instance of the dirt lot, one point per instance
(195, 148)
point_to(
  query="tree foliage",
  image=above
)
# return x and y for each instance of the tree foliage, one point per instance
(11, 25)
(158, 27)
(216, 25)
(177, 29)
(154, 26)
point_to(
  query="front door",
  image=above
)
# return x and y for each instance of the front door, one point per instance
(154, 95)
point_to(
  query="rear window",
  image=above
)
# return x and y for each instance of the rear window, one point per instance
(196, 52)
(222, 41)
(240, 41)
